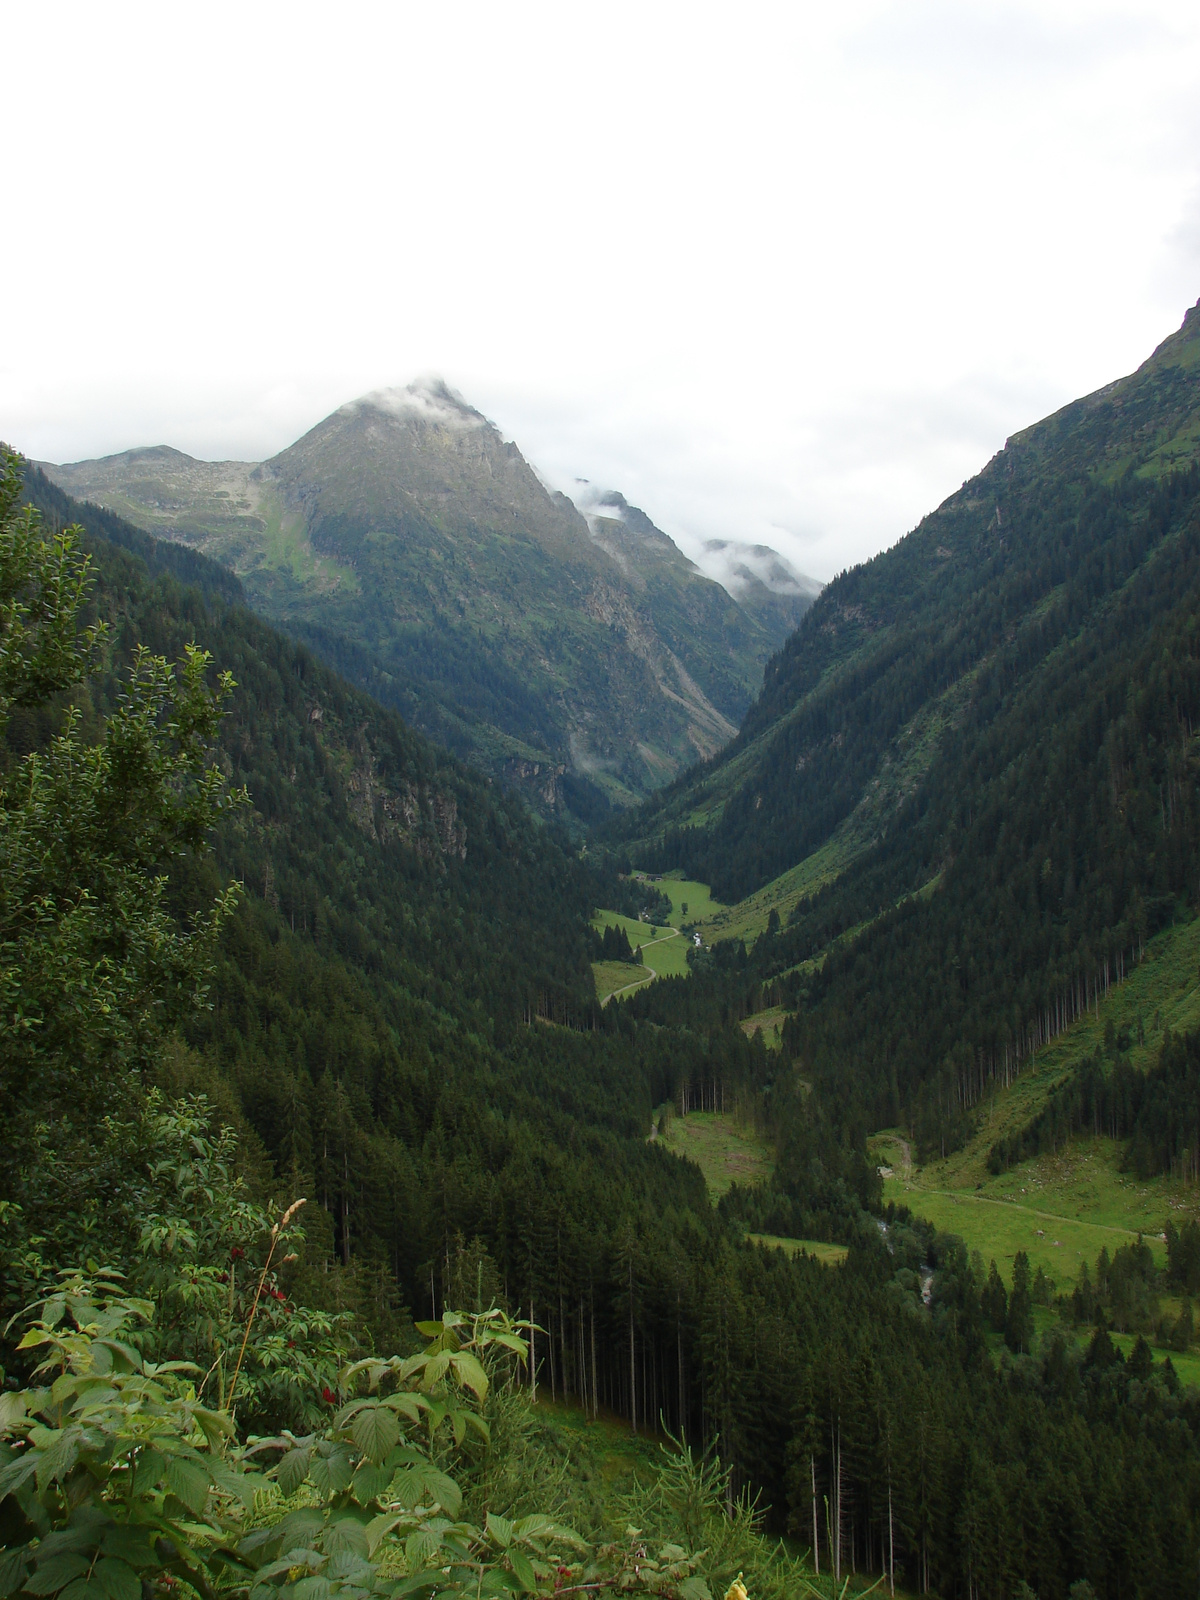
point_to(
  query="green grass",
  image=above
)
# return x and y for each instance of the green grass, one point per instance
(612, 976)
(687, 892)
(1186, 1363)
(748, 918)
(1078, 1196)
(1031, 1211)
(725, 1151)
(605, 1444)
(1047, 1321)
(769, 1023)
(287, 545)
(663, 948)
(830, 1255)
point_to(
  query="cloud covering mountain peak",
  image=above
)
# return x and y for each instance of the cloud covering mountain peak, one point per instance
(428, 399)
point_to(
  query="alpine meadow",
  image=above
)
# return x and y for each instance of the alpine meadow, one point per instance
(529, 1070)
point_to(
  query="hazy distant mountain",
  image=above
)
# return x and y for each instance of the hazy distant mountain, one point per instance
(414, 547)
(762, 582)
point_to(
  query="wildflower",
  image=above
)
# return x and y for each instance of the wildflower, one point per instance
(737, 1590)
(237, 1253)
(328, 1396)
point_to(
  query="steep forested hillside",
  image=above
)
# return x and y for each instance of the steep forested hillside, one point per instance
(584, 660)
(855, 706)
(402, 1003)
(1000, 713)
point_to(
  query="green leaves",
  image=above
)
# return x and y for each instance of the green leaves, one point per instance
(375, 1431)
(189, 1480)
(122, 1433)
(12, 1572)
(95, 966)
(118, 1580)
(414, 1486)
(111, 1436)
(522, 1569)
(292, 1470)
(469, 1373)
(499, 1530)
(330, 1470)
(44, 583)
(51, 1576)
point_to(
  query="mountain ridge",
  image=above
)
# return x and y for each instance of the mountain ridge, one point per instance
(886, 641)
(407, 540)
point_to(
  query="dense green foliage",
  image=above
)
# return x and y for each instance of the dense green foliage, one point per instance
(612, 944)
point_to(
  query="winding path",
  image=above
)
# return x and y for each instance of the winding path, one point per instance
(650, 974)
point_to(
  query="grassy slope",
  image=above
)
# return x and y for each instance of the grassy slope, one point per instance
(725, 1152)
(1078, 1196)
(769, 1023)
(748, 918)
(728, 1153)
(901, 770)
(831, 1255)
(613, 977)
(687, 892)
(663, 948)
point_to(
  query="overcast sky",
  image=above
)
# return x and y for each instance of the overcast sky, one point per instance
(779, 271)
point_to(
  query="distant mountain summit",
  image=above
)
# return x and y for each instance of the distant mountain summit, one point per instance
(762, 581)
(577, 653)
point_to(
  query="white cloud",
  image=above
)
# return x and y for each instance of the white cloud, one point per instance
(428, 398)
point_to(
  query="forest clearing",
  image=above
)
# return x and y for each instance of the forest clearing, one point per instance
(769, 1023)
(1062, 1207)
(619, 977)
(830, 1255)
(669, 946)
(726, 1151)
(664, 955)
(691, 902)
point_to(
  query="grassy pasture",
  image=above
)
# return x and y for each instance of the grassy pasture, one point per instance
(830, 1255)
(687, 892)
(999, 1225)
(663, 948)
(726, 1152)
(1077, 1196)
(614, 976)
(1186, 1363)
